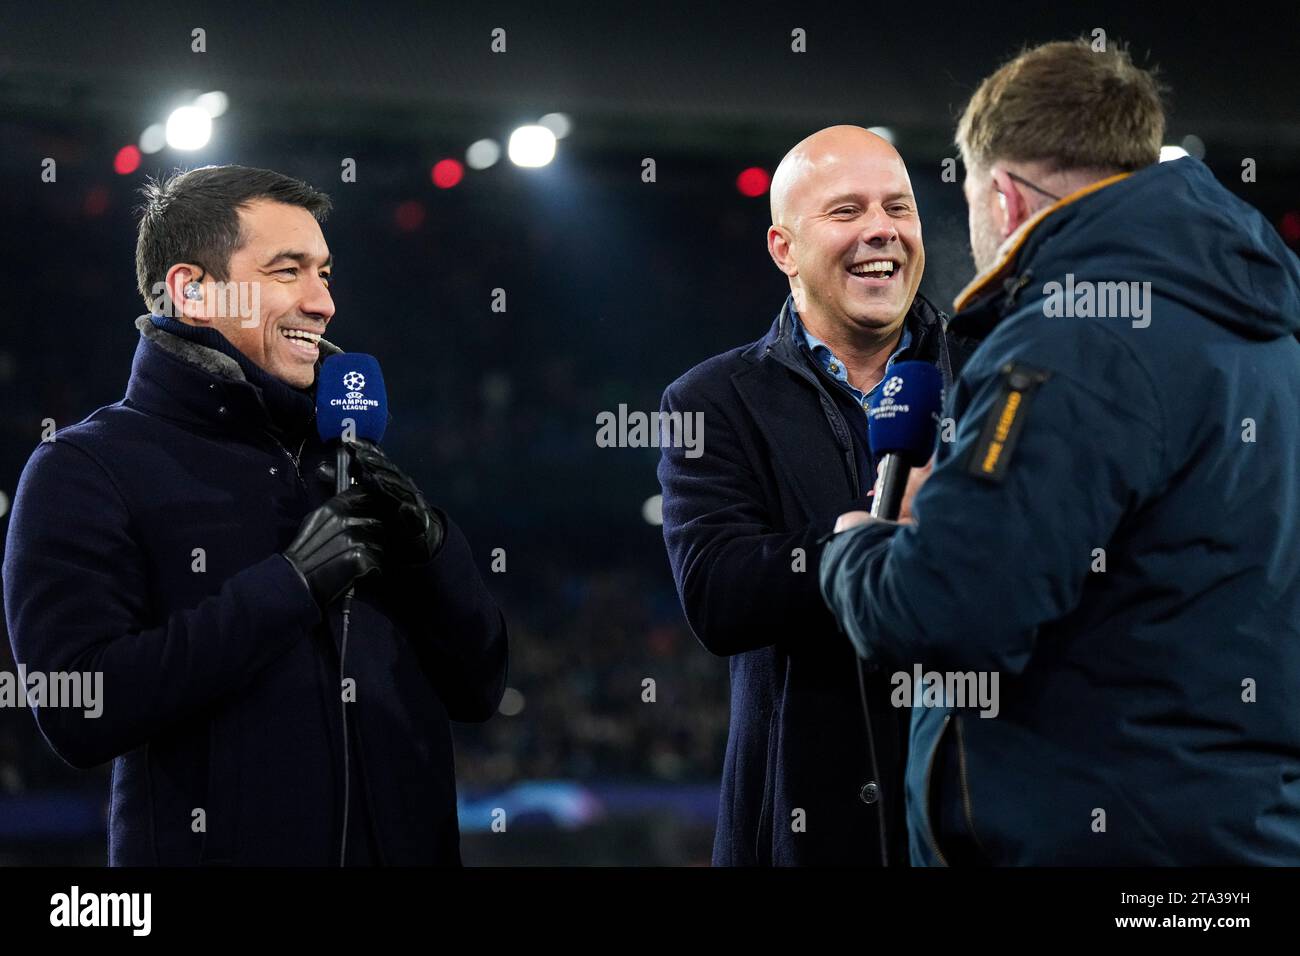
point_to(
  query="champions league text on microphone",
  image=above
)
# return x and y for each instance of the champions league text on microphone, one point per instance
(902, 422)
(557, 453)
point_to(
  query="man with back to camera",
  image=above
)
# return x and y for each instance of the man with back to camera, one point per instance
(1114, 529)
(805, 780)
(187, 543)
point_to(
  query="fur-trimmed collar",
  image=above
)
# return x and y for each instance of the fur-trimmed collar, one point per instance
(210, 360)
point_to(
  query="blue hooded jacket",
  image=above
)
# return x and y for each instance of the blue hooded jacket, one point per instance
(1114, 532)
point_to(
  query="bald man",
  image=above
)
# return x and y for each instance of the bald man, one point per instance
(812, 776)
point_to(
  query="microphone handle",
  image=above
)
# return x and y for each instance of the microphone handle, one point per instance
(342, 480)
(887, 501)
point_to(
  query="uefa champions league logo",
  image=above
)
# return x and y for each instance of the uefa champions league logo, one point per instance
(886, 409)
(355, 399)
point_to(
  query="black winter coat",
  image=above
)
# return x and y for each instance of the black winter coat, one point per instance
(742, 523)
(221, 686)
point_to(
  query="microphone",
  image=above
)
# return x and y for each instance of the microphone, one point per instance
(350, 403)
(902, 420)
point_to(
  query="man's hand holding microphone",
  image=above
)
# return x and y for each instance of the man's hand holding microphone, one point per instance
(336, 544)
(901, 426)
(915, 479)
(381, 521)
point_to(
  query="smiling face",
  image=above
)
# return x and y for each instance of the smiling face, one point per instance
(282, 269)
(846, 230)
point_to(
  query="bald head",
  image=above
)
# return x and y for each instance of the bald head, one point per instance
(818, 156)
(846, 231)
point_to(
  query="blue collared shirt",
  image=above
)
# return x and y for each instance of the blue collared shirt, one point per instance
(830, 363)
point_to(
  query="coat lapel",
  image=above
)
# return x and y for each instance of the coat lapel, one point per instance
(789, 412)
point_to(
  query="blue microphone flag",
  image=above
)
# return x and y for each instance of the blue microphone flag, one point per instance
(350, 387)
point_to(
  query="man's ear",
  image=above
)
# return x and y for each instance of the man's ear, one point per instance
(779, 248)
(186, 307)
(1011, 201)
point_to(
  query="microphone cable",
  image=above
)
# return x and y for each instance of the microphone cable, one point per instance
(347, 774)
(342, 482)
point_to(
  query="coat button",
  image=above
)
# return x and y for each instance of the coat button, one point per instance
(869, 793)
(222, 410)
(273, 470)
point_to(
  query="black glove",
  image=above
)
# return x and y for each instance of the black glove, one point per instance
(336, 544)
(413, 530)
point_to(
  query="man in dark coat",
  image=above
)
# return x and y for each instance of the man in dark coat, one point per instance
(1113, 533)
(809, 778)
(186, 544)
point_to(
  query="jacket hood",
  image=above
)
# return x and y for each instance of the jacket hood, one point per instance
(1174, 225)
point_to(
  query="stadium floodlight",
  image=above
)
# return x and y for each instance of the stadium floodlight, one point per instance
(531, 146)
(189, 128)
(153, 138)
(557, 123)
(214, 103)
(482, 154)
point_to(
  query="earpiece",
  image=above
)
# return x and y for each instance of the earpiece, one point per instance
(193, 290)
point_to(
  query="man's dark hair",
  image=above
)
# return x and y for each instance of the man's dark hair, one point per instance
(193, 216)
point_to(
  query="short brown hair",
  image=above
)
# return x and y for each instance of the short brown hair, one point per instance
(1068, 105)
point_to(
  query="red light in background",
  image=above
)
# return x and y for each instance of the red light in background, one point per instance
(1290, 227)
(409, 216)
(96, 201)
(447, 173)
(753, 181)
(126, 161)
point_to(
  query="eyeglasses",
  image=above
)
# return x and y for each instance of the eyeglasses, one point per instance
(1026, 182)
